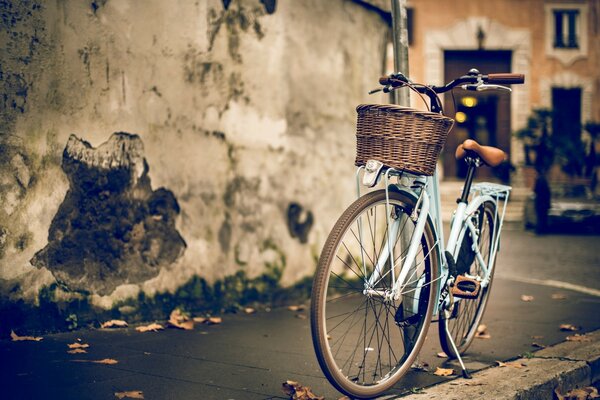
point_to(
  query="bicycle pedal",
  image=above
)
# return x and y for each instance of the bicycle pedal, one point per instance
(465, 288)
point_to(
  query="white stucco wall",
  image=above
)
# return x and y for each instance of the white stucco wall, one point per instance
(240, 112)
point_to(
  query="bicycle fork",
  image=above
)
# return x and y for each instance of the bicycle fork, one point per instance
(387, 252)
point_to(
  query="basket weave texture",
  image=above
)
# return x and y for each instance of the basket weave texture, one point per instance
(400, 137)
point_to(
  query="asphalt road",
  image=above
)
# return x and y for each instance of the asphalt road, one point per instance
(249, 356)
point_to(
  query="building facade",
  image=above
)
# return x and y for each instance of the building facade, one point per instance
(556, 44)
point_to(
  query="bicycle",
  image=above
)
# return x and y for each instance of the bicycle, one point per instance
(384, 272)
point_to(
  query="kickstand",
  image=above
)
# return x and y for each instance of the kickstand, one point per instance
(465, 373)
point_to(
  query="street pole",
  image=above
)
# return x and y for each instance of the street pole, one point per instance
(400, 42)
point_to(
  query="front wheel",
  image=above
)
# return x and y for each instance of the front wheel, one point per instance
(462, 320)
(366, 340)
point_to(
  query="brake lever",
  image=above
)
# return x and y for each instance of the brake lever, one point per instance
(485, 86)
(385, 89)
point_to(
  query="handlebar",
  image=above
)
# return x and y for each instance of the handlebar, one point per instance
(473, 77)
(506, 79)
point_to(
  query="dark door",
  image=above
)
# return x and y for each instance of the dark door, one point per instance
(482, 116)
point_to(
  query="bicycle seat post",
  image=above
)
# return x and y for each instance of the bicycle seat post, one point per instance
(473, 161)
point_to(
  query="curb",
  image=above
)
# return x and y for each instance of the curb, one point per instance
(565, 366)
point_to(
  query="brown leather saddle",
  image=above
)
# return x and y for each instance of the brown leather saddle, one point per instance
(491, 156)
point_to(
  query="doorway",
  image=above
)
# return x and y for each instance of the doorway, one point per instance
(482, 116)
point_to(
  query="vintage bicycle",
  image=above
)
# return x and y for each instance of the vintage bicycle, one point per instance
(384, 272)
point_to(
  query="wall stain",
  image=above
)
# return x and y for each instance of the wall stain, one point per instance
(111, 228)
(237, 19)
(299, 228)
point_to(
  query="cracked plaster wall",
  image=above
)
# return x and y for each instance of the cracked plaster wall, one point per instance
(242, 113)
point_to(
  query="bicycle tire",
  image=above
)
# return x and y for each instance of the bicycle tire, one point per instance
(337, 352)
(467, 313)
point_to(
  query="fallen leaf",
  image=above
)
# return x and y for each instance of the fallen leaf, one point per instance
(538, 345)
(179, 320)
(443, 371)
(525, 297)
(559, 296)
(578, 338)
(17, 338)
(106, 361)
(301, 316)
(78, 345)
(482, 333)
(585, 393)
(512, 364)
(296, 391)
(249, 310)
(420, 365)
(200, 320)
(115, 323)
(134, 394)
(154, 327)
(215, 320)
(568, 327)
(77, 351)
(441, 354)
(300, 307)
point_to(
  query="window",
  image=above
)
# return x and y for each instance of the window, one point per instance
(566, 107)
(565, 28)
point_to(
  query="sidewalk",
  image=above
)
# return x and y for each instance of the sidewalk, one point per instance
(249, 357)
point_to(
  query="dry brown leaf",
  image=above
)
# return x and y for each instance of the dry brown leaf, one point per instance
(17, 338)
(578, 338)
(296, 391)
(181, 321)
(115, 323)
(133, 394)
(443, 371)
(586, 393)
(482, 332)
(471, 383)
(249, 310)
(559, 296)
(215, 320)
(77, 351)
(154, 327)
(538, 345)
(568, 327)
(525, 297)
(106, 361)
(300, 307)
(441, 354)
(200, 320)
(512, 364)
(77, 345)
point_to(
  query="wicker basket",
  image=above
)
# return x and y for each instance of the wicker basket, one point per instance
(400, 137)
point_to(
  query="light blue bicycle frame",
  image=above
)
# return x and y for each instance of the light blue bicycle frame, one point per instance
(428, 208)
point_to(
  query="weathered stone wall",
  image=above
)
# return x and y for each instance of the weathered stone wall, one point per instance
(240, 116)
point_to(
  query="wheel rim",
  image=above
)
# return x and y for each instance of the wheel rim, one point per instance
(467, 313)
(365, 346)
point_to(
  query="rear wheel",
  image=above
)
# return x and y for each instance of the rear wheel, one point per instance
(464, 318)
(364, 341)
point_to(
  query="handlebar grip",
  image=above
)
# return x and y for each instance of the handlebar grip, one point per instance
(506, 79)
